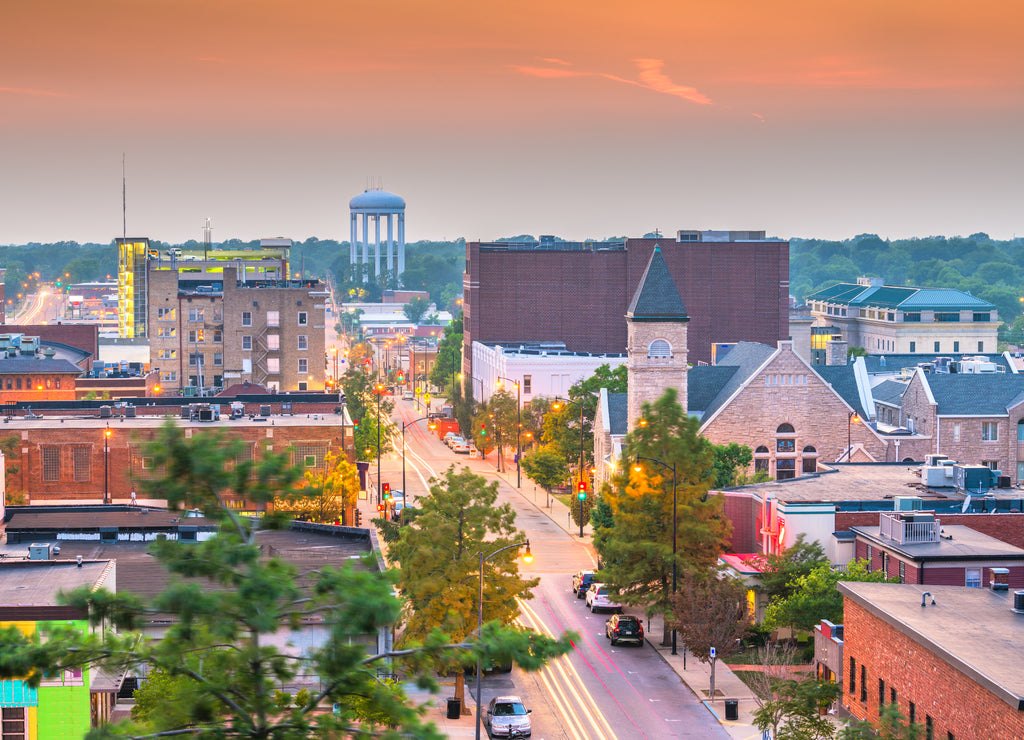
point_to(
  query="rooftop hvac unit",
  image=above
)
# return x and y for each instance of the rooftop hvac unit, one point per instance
(105, 412)
(973, 477)
(39, 551)
(1018, 602)
(940, 476)
(934, 459)
(129, 412)
(906, 503)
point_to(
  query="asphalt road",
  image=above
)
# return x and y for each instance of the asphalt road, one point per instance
(596, 691)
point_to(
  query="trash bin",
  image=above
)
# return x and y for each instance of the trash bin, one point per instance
(454, 708)
(732, 709)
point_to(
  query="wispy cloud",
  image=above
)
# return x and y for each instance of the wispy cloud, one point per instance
(552, 60)
(650, 77)
(31, 91)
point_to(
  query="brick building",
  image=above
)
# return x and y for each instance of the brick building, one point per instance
(949, 657)
(209, 330)
(735, 286)
(74, 459)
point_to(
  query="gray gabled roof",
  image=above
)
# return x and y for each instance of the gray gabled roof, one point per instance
(704, 383)
(657, 298)
(745, 358)
(961, 394)
(844, 383)
(889, 392)
(618, 413)
(23, 365)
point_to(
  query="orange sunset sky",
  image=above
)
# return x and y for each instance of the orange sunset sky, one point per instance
(581, 119)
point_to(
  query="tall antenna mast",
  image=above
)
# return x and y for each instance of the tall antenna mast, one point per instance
(207, 238)
(124, 201)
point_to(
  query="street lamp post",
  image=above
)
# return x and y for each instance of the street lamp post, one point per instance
(106, 465)
(404, 425)
(851, 418)
(527, 557)
(380, 390)
(519, 429)
(671, 467)
(582, 480)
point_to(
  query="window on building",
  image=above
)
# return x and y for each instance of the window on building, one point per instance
(929, 731)
(913, 347)
(885, 564)
(985, 316)
(761, 460)
(167, 332)
(892, 695)
(956, 431)
(195, 359)
(659, 348)
(981, 346)
(14, 721)
(303, 342)
(912, 317)
(972, 577)
(785, 469)
(937, 347)
(246, 342)
(956, 346)
(165, 314)
(218, 336)
(911, 713)
(83, 464)
(1020, 430)
(169, 376)
(881, 694)
(989, 431)
(167, 354)
(303, 318)
(853, 675)
(303, 385)
(273, 342)
(991, 464)
(196, 336)
(303, 366)
(218, 359)
(903, 572)
(196, 314)
(867, 556)
(273, 365)
(810, 460)
(56, 383)
(246, 318)
(863, 683)
(527, 384)
(51, 464)
(947, 316)
(217, 314)
(273, 318)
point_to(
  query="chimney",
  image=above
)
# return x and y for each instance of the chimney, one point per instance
(835, 352)
(999, 579)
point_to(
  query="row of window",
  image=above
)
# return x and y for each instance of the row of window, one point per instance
(15, 384)
(274, 318)
(216, 315)
(937, 347)
(198, 336)
(911, 317)
(911, 716)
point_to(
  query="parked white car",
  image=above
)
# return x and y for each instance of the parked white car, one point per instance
(460, 447)
(598, 598)
(507, 715)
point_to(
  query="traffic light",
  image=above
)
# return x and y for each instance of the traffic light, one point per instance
(582, 494)
(355, 424)
(401, 378)
(483, 430)
(386, 492)
(359, 518)
(380, 508)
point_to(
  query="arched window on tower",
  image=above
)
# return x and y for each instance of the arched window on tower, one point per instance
(785, 439)
(761, 460)
(810, 460)
(659, 348)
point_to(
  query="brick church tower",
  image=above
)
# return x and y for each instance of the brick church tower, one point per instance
(655, 338)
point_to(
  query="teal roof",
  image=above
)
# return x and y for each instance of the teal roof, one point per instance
(904, 299)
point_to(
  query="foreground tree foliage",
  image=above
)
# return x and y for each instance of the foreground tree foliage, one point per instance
(439, 567)
(217, 668)
(710, 612)
(327, 494)
(636, 552)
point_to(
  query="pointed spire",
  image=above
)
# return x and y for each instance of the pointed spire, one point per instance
(657, 298)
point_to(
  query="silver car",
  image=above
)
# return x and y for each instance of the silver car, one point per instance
(508, 717)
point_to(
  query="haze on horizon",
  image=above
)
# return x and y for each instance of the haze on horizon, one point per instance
(585, 120)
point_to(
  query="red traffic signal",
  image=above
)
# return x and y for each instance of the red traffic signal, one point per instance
(386, 491)
(483, 430)
(380, 508)
(582, 495)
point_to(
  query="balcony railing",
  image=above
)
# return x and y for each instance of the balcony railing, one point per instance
(908, 531)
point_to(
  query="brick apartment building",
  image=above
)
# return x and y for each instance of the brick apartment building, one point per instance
(735, 286)
(222, 329)
(949, 657)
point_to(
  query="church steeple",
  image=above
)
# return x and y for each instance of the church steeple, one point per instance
(655, 338)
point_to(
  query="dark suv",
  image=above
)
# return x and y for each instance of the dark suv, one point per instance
(581, 581)
(624, 628)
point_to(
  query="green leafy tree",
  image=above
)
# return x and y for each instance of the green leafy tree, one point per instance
(562, 424)
(891, 725)
(229, 600)
(362, 396)
(500, 417)
(546, 468)
(795, 709)
(416, 308)
(637, 551)
(438, 559)
(449, 358)
(709, 612)
(10, 446)
(780, 572)
(326, 495)
(815, 597)
(730, 461)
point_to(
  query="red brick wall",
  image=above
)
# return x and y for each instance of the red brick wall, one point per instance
(955, 702)
(733, 292)
(742, 510)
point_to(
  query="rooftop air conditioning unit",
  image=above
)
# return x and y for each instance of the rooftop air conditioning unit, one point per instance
(39, 551)
(906, 503)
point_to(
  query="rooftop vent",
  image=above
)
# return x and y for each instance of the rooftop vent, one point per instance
(999, 578)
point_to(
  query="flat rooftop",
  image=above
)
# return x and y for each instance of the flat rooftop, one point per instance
(973, 629)
(37, 582)
(964, 543)
(92, 421)
(870, 482)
